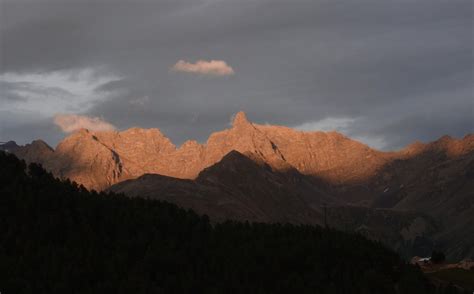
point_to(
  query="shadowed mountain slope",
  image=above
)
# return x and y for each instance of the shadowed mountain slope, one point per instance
(238, 188)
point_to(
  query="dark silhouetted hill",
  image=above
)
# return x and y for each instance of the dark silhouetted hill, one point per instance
(57, 237)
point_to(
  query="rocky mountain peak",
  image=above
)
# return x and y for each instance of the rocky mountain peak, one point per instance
(82, 131)
(98, 159)
(240, 120)
(40, 142)
(37, 151)
(140, 131)
(9, 146)
(272, 173)
(190, 144)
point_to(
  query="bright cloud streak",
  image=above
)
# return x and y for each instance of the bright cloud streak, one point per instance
(71, 122)
(213, 67)
(51, 92)
(343, 125)
(327, 124)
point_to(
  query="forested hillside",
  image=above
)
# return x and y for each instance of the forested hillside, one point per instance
(57, 237)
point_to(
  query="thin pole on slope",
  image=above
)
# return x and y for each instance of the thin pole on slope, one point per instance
(325, 215)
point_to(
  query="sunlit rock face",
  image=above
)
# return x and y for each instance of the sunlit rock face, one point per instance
(278, 174)
(100, 159)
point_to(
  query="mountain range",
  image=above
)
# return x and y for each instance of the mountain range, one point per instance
(414, 199)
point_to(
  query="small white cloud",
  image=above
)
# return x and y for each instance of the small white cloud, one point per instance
(213, 67)
(140, 102)
(72, 122)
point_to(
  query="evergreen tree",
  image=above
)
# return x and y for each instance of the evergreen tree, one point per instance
(57, 237)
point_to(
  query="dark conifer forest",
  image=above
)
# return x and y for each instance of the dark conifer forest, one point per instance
(57, 237)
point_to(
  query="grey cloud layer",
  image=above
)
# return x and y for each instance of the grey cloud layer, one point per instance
(402, 70)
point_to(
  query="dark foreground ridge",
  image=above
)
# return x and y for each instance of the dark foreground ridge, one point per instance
(57, 237)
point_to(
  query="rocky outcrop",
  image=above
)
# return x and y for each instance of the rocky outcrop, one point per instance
(9, 146)
(38, 151)
(100, 159)
(297, 171)
(354, 171)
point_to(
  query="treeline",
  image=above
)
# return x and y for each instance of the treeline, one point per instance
(57, 237)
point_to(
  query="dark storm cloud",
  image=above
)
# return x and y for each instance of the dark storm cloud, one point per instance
(399, 70)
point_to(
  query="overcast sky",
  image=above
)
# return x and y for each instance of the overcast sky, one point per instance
(384, 72)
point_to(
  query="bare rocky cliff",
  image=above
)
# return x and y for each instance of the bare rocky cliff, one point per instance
(100, 159)
(285, 175)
